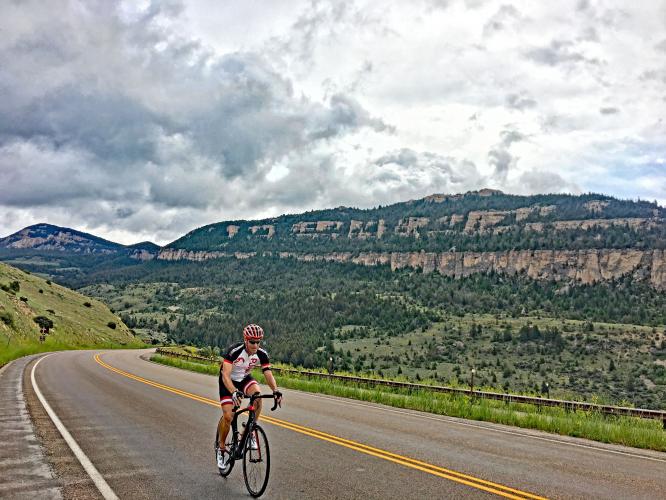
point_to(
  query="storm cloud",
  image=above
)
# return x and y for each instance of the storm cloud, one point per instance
(105, 107)
(500, 158)
(417, 170)
(143, 120)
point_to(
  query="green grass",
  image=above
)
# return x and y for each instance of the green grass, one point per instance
(207, 368)
(79, 322)
(636, 432)
(15, 352)
(580, 369)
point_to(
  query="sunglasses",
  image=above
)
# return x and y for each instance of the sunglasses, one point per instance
(254, 342)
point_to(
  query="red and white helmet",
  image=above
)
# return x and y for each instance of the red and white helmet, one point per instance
(254, 332)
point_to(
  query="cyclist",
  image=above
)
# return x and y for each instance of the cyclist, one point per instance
(235, 381)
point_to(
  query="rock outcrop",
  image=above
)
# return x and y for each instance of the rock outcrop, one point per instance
(142, 255)
(561, 225)
(596, 206)
(479, 221)
(199, 256)
(571, 266)
(266, 230)
(409, 226)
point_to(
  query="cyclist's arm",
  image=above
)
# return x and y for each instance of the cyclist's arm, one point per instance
(270, 380)
(266, 369)
(226, 376)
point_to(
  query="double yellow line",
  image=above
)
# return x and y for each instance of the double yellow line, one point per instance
(435, 470)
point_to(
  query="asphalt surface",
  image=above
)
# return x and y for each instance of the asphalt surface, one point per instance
(150, 442)
(24, 468)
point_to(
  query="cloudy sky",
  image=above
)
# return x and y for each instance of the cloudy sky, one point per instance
(144, 120)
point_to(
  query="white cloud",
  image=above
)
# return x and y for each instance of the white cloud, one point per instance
(144, 120)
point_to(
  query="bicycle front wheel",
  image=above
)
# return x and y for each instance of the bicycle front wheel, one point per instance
(256, 462)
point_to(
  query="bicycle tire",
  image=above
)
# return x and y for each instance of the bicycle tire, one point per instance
(230, 465)
(257, 463)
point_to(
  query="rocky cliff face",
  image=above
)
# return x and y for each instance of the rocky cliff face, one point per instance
(474, 222)
(571, 266)
(142, 255)
(180, 254)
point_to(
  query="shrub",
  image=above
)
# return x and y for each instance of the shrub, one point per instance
(6, 318)
(41, 291)
(43, 322)
(15, 285)
(50, 311)
(4, 287)
(48, 282)
(24, 299)
(112, 325)
(87, 304)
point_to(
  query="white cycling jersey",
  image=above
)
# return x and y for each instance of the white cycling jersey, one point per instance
(243, 362)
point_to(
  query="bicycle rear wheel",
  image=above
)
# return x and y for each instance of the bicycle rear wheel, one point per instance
(224, 472)
(256, 463)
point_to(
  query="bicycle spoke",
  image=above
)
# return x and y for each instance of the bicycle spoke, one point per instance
(256, 463)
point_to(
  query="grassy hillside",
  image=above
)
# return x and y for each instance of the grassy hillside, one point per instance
(78, 321)
(608, 363)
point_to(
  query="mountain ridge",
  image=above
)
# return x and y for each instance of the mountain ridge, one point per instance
(49, 237)
(570, 238)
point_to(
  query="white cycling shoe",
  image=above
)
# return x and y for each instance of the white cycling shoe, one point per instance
(253, 443)
(222, 459)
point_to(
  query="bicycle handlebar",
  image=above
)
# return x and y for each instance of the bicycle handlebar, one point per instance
(256, 396)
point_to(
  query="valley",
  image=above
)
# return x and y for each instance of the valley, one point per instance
(547, 293)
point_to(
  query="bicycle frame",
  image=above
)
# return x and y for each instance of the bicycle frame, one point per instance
(239, 444)
(239, 440)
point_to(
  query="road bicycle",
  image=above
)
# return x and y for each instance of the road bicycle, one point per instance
(256, 461)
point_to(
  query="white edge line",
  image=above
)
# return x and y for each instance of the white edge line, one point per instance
(94, 474)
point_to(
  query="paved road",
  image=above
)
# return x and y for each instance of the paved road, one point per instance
(24, 470)
(150, 442)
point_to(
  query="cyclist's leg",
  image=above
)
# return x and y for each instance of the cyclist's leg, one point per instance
(225, 423)
(227, 414)
(252, 387)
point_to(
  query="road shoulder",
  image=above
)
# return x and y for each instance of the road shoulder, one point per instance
(24, 469)
(73, 480)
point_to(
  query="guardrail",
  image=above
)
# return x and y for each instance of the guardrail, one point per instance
(507, 398)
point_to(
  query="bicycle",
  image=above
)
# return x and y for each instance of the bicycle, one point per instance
(256, 462)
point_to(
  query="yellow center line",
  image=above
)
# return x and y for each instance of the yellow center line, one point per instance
(435, 470)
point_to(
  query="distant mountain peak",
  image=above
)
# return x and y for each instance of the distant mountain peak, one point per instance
(44, 236)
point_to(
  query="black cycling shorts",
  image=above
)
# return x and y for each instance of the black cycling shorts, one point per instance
(243, 386)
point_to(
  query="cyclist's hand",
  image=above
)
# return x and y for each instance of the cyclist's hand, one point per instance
(237, 397)
(278, 397)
